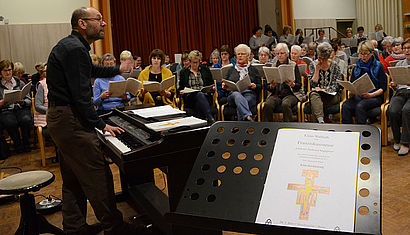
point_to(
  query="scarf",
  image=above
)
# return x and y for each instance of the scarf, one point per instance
(398, 56)
(242, 69)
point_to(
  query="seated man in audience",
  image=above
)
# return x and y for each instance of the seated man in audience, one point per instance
(13, 116)
(358, 105)
(156, 73)
(286, 94)
(323, 82)
(196, 77)
(137, 63)
(400, 108)
(245, 100)
(397, 54)
(102, 96)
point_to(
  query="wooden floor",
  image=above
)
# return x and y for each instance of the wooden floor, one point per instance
(395, 199)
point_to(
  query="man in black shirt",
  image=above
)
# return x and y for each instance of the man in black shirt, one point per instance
(72, 120)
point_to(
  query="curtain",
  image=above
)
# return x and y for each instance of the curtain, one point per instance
(385, 12)
(286, 15)
(177, 25)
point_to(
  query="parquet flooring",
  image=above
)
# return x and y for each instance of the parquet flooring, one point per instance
(395, 187)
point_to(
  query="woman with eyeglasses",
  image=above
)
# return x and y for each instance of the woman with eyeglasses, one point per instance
(15, 115)
(245, 100)
(358, 105)
(196, 76)
(400, 108)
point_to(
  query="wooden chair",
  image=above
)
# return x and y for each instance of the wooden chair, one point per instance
(333, 109)
(40, 138)
(384, 116)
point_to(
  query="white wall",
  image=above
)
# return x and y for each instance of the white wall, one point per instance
(39, 11)
(269, 14)
(324, 9)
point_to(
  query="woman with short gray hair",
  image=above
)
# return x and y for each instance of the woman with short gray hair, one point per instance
(323, 82)
(264, 55)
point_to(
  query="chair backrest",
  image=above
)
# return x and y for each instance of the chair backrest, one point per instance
(307, 60)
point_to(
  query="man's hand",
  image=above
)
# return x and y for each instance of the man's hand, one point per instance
(126, 67)
(367, 95)
(252, 86)
(112, 129)
(105, 95)
(393, 85)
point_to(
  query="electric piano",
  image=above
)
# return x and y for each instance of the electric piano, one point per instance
(139, 150)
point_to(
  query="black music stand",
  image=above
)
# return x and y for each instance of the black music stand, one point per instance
(213, 201)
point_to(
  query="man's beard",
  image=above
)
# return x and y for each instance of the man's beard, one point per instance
(96, 35)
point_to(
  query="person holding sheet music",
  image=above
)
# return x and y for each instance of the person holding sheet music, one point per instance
(102, 96)
(299, 33)
(137, 63)
(196, 77)
(340, 53)
(387, 49)
(264, 55)
(322, 37)
(287, 30)
(295, 56)
(17, 115)
(304, 51)
(272, 35)
(358, 105)
(397, 54)
(323, 82)
(312, 50)
(400, 108)
(243, 101)
(225, 53)
(184, 61)
(285, 94)
(360, 36)
(377, 28)
(157, 73)
(215, 58)
(340, 62)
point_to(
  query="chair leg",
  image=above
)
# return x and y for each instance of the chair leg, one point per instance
(41, 143)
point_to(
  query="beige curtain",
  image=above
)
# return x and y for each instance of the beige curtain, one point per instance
(30, 43)
(385, 12)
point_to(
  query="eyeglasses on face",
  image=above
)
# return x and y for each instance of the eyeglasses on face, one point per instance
(100, 20)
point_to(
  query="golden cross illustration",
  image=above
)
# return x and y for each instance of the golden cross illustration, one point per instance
(307, 193)
(170, 124)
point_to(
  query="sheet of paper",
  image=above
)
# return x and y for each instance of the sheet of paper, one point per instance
(363, 84)
(167, 83)
(400, 75)
(272, 74)
(192, 122)
(151, 86)
(25, 90)
(287, 72)
(188, 90)
(230, 86)
(225, 70)
(117, 88)
(216, 74)
(207, 89)
(11, 96)
(133, 85)
(311, 182)
(259, 67)
(178, 58)
(243, 84)
(157, 111)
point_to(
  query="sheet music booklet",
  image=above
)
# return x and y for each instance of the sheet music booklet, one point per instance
(205, 89)
(400, 75)
(240, 85)
(12, 96)
(280, 74)
(157, 111)
(362, 85)
(152, 86)
(218, 74)
(118, 88)
(191, 122)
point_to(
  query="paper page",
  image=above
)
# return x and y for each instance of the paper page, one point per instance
(347, 51)
(353, 60)
(287, 72)
(11, 96)
(26, 90)
(379, 35)
(302, 69)
(135, 73)
(400, 75)
(117, 88)
(291, 39)
(265, 39)
(363, 84)
(259, 68)
(207, 89)
(216, 74)
(308, 39)
(151, 86)
(272, 74)
(188, 90)
(311, 182)
(192, 122)
(133, 85)
(348, 86)
(244, 83)
(157, 111)
(178, 58)
(225, 70)
(230, 86)
(372, 36)
(167, 83)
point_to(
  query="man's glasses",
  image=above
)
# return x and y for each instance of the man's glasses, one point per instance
(101, 20)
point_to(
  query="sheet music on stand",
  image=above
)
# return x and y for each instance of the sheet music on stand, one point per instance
(229, 176)
(156, 112)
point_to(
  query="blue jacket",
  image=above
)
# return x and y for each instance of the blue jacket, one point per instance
(101, 85)
(375, 71)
